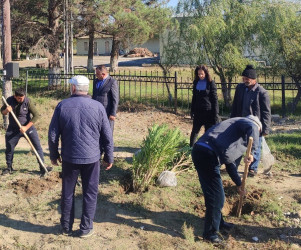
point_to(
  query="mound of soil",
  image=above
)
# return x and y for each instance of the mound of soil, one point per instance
(140, 52)
(35, 186)
(297, 196)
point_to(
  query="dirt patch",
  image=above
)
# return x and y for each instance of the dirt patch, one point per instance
(251, 202)
(35, 186)
(31, 211)
(297, 196)
(139, 52)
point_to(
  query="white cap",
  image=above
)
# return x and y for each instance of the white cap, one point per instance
(79, 80)
(255, 120)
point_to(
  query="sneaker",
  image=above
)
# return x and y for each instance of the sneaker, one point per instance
(226, 226)
(85, 235)
(65, 231)
(252, 173)
(7, 170)
(215, 239)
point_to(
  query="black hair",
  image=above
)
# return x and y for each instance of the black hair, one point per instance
(20, 92)
(205, 69)
(102, 68)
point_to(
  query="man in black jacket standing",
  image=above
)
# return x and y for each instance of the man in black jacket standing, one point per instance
(106, 91)
(252, 99)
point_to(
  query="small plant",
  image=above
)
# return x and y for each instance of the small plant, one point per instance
(159, 152)
(188, 233)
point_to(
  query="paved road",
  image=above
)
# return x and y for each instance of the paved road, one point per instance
(81, 61)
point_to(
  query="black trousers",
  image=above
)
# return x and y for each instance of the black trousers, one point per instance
(12, 138)
(201, 118)
(208, 169)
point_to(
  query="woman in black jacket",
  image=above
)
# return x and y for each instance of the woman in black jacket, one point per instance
(204, 105)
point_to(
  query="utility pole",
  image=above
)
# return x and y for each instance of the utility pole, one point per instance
(7, 55)
(68, 37)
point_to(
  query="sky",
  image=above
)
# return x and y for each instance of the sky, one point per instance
(173, 3)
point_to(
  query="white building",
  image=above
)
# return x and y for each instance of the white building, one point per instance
(103, 45)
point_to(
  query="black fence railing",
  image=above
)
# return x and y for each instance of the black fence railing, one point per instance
(152, 88)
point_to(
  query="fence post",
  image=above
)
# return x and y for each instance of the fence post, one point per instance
(283, 95)
(176, 93)
(26, 82)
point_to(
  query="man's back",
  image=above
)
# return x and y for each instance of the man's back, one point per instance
(82, 124)
(229, 138)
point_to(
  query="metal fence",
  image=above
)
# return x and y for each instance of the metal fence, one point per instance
(172, 92)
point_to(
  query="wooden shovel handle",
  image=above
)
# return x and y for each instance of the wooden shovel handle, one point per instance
(244, 178)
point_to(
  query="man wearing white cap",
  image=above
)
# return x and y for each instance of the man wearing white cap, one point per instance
(82, 125)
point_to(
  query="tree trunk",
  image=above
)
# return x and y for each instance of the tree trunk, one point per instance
(90, 51)
(18, 52)
(297, 98)
(225, 91)
(114, 54)
(7, 55)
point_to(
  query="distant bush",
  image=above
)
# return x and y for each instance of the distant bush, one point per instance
(163, 149)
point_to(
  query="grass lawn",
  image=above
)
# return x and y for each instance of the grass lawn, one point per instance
(160, 218)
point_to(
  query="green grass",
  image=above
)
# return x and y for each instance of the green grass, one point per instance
(286, 148)
(184, 203)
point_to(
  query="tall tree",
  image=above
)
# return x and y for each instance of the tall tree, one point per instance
(91, 17)
(220, 31)
(280, 38)
(37, 25)
(132, 22)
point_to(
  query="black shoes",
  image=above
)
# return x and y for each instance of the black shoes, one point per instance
(252, 173)
(82, 234)
(87, 234)
(8, 170)
(215, 239)
(65, 231)
(43, 172)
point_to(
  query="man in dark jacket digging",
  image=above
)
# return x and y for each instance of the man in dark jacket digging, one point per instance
(27, 115)
(83, 126)
(222, 144)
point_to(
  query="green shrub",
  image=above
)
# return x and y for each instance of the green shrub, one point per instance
(159, 151)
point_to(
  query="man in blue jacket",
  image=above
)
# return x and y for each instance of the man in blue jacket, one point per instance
(83, 125)
(222, 144)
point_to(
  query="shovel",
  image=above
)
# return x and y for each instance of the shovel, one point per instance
(244, 178)
(27, 138)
